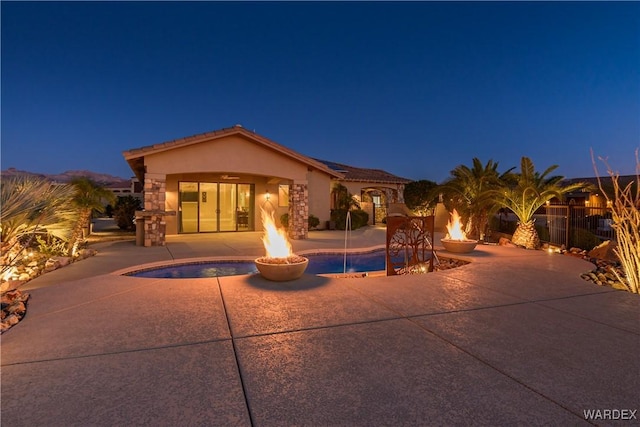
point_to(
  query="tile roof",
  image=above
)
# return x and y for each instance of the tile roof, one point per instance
(352, 173)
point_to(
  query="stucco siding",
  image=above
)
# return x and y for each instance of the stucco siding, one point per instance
(232, 154)
(319, 196)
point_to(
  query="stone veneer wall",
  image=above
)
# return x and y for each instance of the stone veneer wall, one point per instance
(400, 193)
(299, 211)
(154, 224)
(381, 214)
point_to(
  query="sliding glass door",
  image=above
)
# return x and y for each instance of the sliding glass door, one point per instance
(215, 206)
(188, 194)
(227, 203)
(244, 214)
(207, 214)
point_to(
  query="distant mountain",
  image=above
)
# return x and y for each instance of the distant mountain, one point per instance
(67, 176)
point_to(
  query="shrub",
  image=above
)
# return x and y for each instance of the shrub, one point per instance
(502, 226)
(31, 206)
(583, 239)
(543, 233)
(125, 211)
(339, 217)
(313, 221)
(419, 196)
(359, 218)
(284, 220)
(51, 245)
(625, 213)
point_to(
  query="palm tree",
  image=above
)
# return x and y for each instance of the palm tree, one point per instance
(470, 192)
(32, 206)
(88, 197)
(525, 193)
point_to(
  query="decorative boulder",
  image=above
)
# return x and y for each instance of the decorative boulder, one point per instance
(604, 251)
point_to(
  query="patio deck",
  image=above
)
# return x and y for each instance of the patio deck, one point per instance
(515, 337)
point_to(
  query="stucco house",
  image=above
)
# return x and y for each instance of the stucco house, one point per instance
(220, 181)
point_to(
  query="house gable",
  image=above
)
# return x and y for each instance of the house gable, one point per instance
(235, 150)
(231, 154)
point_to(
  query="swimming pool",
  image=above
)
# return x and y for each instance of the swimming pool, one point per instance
(324, 263)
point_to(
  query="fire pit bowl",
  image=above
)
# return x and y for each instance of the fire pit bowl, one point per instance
(459, 246)
(282, 269)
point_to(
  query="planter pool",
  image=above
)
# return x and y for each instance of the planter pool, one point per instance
(327, 263)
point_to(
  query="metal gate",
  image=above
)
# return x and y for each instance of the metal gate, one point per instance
(563, 221)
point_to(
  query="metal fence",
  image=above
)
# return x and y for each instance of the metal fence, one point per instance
(565, 223)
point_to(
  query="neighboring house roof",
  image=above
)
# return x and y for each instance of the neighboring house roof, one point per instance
(135, 156)
(605, 183)
(352, 173)
(623, 180)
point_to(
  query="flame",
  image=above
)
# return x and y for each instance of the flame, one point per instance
(275, 240)
(454, 228)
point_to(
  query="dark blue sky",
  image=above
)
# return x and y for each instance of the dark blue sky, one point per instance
(414, 88)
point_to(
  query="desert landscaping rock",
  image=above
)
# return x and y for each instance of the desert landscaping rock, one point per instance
(605, 251)
(13, 308)
(607, 273)
(505, 242)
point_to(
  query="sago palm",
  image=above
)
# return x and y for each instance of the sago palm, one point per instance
(30, 206)
(470, 192)
(527, 192)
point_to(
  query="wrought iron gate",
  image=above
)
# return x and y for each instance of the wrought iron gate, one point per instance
(563, 221)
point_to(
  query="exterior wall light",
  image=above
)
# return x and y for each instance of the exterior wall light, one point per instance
(267, 196)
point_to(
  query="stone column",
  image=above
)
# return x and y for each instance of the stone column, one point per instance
(154, 230)
(400, 190)
(155, 189)
(299, 210)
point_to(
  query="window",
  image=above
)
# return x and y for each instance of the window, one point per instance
(283, 195)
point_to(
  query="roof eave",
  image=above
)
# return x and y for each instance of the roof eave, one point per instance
(377, 181)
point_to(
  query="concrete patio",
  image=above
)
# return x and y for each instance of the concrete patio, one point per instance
(514, 338)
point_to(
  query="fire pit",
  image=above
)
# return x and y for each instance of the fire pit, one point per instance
(456, 240)
(459, 246)
(282, 269)
(280, 264)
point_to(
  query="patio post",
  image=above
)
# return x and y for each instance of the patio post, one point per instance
(154, 210)
(299, 210)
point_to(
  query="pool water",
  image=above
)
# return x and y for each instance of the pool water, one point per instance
(318, 264)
